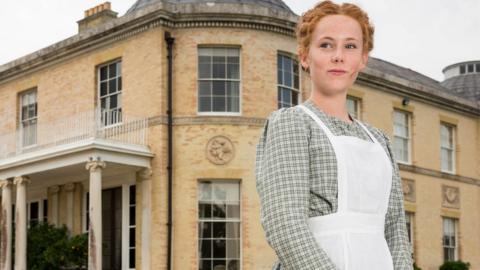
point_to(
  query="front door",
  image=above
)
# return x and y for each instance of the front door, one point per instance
(112, 228)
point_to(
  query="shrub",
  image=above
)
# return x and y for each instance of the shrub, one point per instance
(455, 265)
(50, 248)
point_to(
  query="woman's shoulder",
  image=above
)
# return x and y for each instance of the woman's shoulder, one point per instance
(288, 116)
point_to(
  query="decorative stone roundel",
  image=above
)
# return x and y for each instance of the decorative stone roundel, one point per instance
(219, 150)
(451, 196)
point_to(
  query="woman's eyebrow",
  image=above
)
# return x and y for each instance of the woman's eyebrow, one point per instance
(332, 39)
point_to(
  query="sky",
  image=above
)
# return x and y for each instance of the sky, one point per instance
(424, 36)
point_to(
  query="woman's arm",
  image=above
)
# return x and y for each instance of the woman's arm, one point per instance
(282, 172)
(395, 226)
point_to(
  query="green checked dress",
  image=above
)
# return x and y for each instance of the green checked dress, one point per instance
(296, 179)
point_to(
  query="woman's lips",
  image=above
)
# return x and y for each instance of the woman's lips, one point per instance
(337, 72)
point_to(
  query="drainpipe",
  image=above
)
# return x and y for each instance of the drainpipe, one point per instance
(170, 40)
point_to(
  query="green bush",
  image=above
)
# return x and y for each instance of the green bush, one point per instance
(455, 265)
(49, 247)
(415, 267)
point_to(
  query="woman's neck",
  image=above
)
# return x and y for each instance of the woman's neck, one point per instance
(332, 105)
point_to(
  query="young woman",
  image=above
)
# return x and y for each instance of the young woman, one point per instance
(330, 191)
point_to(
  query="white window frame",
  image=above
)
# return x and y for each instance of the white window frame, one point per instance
(125, 222)
(40, 210)
(239, 220)
(408, 138)
(455, 227)
(118, 93)
(357, 101)
(240, 85)
(293, 58)
(452, 128)
(23, 95)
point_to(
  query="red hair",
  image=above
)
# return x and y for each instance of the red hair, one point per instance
(310, 18)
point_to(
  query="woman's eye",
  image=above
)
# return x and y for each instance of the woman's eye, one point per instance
(325, 45)
(351, 46)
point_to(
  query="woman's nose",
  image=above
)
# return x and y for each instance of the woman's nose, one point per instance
(337, 56)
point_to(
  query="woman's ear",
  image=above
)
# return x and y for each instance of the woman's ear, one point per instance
(364, 62)
(304, 61)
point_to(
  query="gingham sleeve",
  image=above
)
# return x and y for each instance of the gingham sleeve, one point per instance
(282, 181)
(395, 226)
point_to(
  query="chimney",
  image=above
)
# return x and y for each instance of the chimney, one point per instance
(96, 16)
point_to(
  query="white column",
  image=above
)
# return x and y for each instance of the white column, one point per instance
(6, 230)
(146, 206)
(53, 191)
(21, 223)
(69, 188)
(95, 212)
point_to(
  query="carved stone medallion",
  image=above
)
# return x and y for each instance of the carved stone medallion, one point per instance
(220, 150)
(408, 186)
(450, 196)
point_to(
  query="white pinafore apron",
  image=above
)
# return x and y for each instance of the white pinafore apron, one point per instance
(353, 237)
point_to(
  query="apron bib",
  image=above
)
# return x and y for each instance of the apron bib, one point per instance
(353, 237)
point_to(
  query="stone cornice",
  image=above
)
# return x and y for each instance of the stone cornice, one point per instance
(439, 174)
(161, 14)
(398, 86)
(207, 120)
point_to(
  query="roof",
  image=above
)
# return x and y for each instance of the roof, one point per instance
(467, 85)
(271, 4)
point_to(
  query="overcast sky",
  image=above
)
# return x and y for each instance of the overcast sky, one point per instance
(425, 35)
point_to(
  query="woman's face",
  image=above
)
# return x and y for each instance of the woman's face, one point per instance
(336, 54)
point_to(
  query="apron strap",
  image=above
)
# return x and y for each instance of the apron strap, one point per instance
(368, 132)
(319, 122)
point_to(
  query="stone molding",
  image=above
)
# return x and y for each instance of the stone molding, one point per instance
(145, 174)
(52, 190)
(20, 180)
(69, 187)
(95, 165)
(5, 183)
(439, 174)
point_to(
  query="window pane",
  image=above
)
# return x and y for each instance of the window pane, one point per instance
(218, 210)
(112, 70)
(205, 70)
(132, 258)
(205, 265)
(132, 194)
(233, 211)
(233, 104)
(470, 68)
(233, 89)
(205, 104)
(132, 215)
(34, 210)
(287, 79)
(218, 104)
(233, 71)
(233, 249)
(205, 210)
(205, 88)
(103, 73)
(233, 229)
(132, 237)
(218, 229)
(112, 86)
(205, 248)
(119, 84)
(219, 264)
(205, 229)
(113, 102)
(205, 191)
(103, 88)
(233, 265)
(219, 248)
(218, 88)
